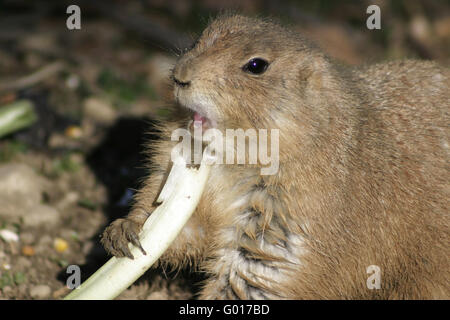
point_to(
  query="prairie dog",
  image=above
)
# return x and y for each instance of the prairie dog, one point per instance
(363, 176)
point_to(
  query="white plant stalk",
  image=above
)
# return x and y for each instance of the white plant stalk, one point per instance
(179, 198)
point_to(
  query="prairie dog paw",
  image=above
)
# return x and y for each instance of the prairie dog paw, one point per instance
(118, 234)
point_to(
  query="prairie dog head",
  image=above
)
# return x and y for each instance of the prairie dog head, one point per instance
(248, 73)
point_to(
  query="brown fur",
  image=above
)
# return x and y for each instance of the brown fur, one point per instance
(363, 178)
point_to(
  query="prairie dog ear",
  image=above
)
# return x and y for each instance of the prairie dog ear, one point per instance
(304, 75)
(309, 75)
(319, 75)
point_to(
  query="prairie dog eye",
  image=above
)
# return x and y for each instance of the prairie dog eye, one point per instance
(256, 66)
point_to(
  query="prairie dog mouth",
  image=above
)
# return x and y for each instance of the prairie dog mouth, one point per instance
(201, 110)
(201, 120)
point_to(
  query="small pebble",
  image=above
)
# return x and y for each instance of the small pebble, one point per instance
(60, 292)
(73, 81)
(6, 266)
(44, 243)
(70, 198)
(28, 251)
(41, 214)
(40, 291)
(74, 132)
(6, 289)
(8, 235)
(60, 245)
(99, 110)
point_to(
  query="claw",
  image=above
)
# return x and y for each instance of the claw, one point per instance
(124, 250)
(134, 239)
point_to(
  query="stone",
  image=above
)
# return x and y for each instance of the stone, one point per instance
(21, 190)
(8, 235)
(40, 291)
(99, 111)
(20, 179)
(41, 214)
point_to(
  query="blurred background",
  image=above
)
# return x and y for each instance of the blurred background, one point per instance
(78, 106)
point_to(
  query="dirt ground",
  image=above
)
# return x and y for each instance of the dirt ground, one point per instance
(97, 94)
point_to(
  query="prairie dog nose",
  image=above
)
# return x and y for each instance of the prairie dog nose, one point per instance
(181, 75)
(180, 83)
